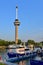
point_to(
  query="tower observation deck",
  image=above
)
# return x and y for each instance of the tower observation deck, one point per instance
(16, 23)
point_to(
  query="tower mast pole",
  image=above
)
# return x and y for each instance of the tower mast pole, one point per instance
(16, 12)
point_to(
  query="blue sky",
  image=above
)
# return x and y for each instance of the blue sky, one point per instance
(30, 15)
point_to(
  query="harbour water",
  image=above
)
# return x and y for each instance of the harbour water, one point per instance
(4, 56)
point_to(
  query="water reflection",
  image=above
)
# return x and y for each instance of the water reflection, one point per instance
(22, 63)
(26, 62)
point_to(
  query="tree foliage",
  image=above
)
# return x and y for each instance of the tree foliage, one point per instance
(31, 42)
(19, 41)
(6, 43)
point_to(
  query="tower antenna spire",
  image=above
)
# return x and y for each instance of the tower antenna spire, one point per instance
(16, 12)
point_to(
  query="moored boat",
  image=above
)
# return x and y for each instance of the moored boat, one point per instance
(36, 61)
(18, 50)
(15, 51)
(20, 58)
(1, 60)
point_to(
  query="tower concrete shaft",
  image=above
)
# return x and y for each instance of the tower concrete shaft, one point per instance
(16, 23)
(16, 34)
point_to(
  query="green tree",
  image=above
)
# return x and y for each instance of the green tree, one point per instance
(6, 43)
(31, 42)
(19, 41)
(41, 42)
